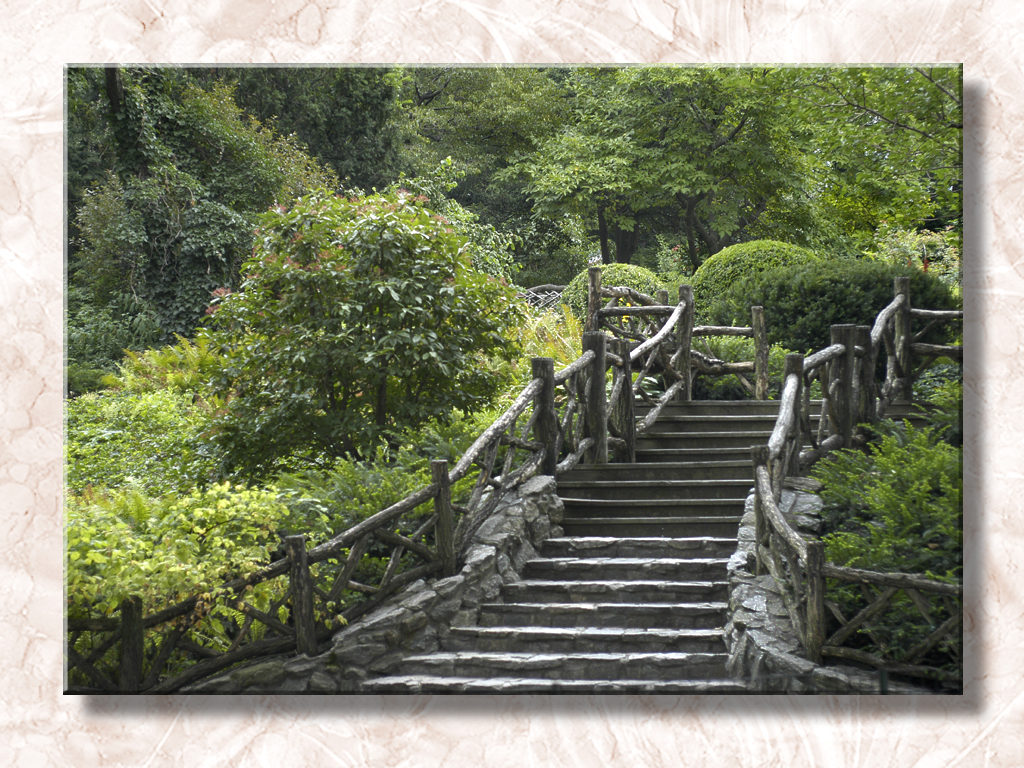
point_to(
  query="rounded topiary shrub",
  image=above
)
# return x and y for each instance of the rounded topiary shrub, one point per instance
(802, 302)
(719, 272)
(612, 276)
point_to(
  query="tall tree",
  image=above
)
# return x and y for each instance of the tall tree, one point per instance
(346, 116)
(705, 147)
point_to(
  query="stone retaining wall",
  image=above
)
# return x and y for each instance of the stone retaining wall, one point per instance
(763, 649)
(417, 619)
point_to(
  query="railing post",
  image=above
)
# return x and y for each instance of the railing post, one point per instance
(623, 410)
(794, 365)
(444, 530)
(901, 286)
(593, 299)
(868, 388)
(596, 425)
(132, 644)
(302, 595)
(815, 601)
(684, 337)
(759, 456)
(760, 353)
(545, 425)
(842, 369)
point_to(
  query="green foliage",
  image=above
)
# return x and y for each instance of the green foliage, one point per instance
(898, 507)
(359, 318)
(612, 276)
(933, 252)
(736, 349)
(150, 440)
(489, 250)
(345, 116)
(183, 368)
(99, 334)
(727, 267)
(803, 301)
(175, 220)
(166, 548)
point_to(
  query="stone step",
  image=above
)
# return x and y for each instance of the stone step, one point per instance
(414, 684)
(653, 453)
(569, 666)
(625, 568)
(622, 488)
(717, 407)
(666, 525)
(583, 507)
(584, 640)
(711, 469)
(726, 422)
(745, 439)
(660, 546)
(696, 615)
(614, 591)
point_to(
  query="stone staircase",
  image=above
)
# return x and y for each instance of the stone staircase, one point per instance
(633, 598)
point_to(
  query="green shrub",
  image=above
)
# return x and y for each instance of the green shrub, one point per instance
(730, 265)
(899, 508)
(359, 318)
(803, 301)
(149, 439)
(612, 276)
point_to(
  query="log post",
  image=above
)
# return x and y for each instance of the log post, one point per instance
(760, 353)
(901, 286)
(868, 411)
(841, 372)
(545, 425)
(794, 365)
(815, 601)
(625, 414)
(444, 531)
(684, 337)
(593, 299)
(132, 644)
(302, 595)
(759, 457)
(596, 424)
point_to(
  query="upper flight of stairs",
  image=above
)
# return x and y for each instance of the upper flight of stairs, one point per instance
(633, 598)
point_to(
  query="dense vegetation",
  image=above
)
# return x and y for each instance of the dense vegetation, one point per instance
(288, 289)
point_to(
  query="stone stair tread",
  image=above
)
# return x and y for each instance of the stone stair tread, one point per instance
(541, 634)
(652, 502)
(649, 520)
(571, 665)
(497, 685)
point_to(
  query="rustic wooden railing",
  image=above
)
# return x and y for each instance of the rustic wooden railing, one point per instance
(850, 396)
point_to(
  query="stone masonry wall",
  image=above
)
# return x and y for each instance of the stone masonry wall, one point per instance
(417, 619)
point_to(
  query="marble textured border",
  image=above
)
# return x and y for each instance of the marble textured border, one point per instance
(40, 727)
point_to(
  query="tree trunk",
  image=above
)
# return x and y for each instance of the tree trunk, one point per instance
(625, 244)
(602, 230)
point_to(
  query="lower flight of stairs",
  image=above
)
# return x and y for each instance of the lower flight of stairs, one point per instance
(633, 598)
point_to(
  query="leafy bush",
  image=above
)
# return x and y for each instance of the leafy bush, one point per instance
(359, 318)
(166, 548)
(730, 265)
(148, 439)
(612, 275)
(98, 335)
(803, 301)
(898, 507)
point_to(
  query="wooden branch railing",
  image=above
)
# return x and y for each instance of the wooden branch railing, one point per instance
(850, 396)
